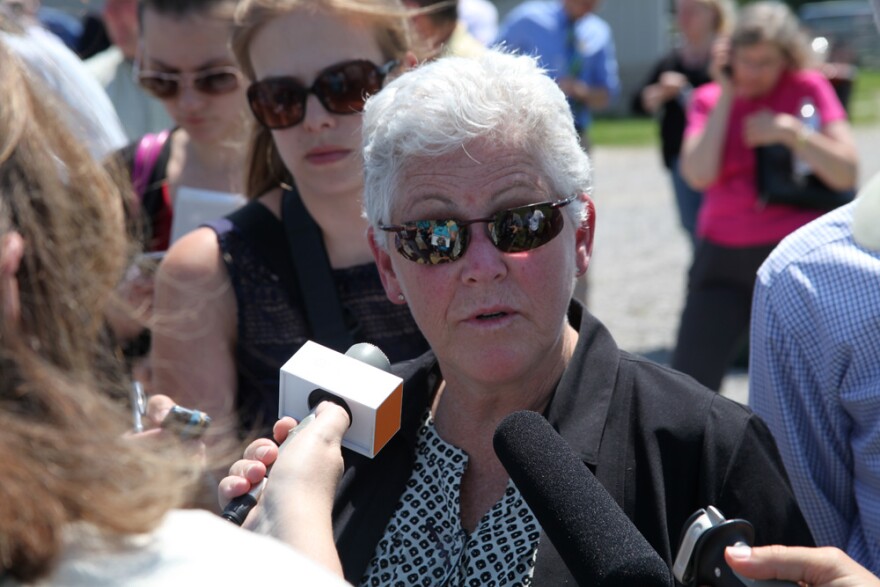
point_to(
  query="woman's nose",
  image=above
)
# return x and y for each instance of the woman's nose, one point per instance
(189, 98)
(316, 116)
(482, 261)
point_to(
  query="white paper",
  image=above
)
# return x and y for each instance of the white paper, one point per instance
(193, 207)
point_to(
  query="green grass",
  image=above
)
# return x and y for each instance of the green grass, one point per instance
(864, 105)
(864, 109)
(624, 131)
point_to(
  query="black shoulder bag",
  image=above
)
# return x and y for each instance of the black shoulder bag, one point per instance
(778, 183)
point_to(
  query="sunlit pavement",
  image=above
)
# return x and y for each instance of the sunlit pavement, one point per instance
(638, 274)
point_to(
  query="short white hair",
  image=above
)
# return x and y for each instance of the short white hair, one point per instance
(446, 104)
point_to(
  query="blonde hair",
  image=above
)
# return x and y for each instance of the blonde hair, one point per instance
(60, 431)
(388, 19)
(724, 15)
(772, 22)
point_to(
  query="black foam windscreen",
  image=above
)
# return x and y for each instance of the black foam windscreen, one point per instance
(597, 541)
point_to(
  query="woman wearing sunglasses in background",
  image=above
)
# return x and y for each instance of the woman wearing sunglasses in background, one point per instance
(236, 318)
(184, 60)
(476, 193)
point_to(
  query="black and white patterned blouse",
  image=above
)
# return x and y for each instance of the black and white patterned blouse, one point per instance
(424, 543)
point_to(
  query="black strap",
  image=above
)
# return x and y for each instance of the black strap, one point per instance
(294, 251)
(312, 266)
(266, 236)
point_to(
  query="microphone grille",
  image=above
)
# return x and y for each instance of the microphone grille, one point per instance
(369, 354)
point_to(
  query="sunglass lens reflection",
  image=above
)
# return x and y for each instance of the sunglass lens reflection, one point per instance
(432, 242)
(342, 89)
(159, 87)
(345, 89)
(216, 83)
(277, 103)
(527, 228)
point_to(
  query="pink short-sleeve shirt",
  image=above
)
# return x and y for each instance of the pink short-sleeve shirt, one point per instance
(731, 214)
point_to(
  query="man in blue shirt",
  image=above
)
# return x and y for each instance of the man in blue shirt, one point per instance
(815, 371)
(574, 45)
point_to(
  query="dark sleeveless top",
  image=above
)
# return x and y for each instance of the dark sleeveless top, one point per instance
(272, 325)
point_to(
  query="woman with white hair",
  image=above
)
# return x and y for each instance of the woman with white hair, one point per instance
(483, 153)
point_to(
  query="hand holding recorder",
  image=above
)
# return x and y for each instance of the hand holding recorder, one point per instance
(813, 567)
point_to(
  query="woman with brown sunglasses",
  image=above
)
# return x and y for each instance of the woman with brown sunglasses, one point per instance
(184, 60)
(233, 303)
(194, 171)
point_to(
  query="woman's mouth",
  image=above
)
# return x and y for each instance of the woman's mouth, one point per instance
(327, 155)
(491, 315)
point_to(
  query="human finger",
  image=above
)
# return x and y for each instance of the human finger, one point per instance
(233, 486)
(817, 567)
(262, 450)
(282, 428)
(158, 407)
(336, 418)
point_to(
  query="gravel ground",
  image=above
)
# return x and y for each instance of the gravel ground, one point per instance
(641, 256)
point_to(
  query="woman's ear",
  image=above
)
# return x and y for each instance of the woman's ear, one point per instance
(11, 253)
(386, 270)
(585, 233)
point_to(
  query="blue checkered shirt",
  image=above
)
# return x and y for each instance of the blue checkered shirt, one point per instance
(815, 378)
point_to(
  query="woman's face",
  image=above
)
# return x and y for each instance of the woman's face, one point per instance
(757, 68)
(696, 19)
(190, 45)
(323, 152)
(489, 316)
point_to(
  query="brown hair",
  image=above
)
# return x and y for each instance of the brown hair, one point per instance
(223, 9)
(772, 22)
(389, 20)
(60, 433)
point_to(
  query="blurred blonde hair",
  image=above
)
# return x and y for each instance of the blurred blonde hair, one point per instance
(388, 19)
(724, 15)
(772, 22)
(64, 457)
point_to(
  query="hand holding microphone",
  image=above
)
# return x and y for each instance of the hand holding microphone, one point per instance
(359, 382)
(310, 466)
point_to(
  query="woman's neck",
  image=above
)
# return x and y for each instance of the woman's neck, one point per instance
(696, 51)
(216, 166)
(466, 415)
(467, 412)
(343, 227)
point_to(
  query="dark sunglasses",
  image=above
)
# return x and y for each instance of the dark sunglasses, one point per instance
(212, 81)
(280, 102)
(432, 242)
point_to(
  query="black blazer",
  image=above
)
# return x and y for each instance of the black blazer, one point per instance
(659, 442)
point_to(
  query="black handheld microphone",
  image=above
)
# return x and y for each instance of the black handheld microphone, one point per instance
(597, 541)
(237, 510)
